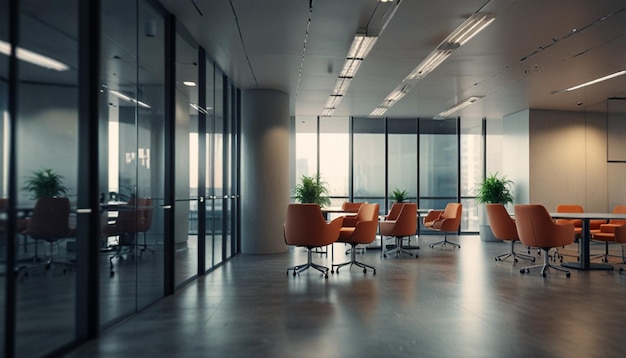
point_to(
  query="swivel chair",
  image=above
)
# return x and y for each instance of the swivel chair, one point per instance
(446, 221)
(503, 228)
(363, 232)
(402, 226)
(606, 234)
(305, 226)
(536, 228)
(50, 222)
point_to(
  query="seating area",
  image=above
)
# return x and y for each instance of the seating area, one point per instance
(530, 225)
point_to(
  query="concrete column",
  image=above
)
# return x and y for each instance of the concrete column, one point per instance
(264, 170)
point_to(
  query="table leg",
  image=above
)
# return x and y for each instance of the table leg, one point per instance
(584, 263)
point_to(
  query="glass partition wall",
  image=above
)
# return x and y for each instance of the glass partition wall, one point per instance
(78, 260)
(4, 164)
(186, 159)
(132, 171)
(366, 159)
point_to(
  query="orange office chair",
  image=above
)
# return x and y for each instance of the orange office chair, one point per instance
(503, 227)
(50, 222)
(618, 236)
(536, 228)
(305, 226)
(578, 228)
(447, 220)
(606, 233)
(363, 232)
(351, 209)
(402, 225)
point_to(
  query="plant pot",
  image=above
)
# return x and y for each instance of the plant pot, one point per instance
(486, 234)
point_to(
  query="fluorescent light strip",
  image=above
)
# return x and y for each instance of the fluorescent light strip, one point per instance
(616, 74)
(361, 46)
(129, 99)
(198, 108)
(33, 57)
(460, 105)
(463, 33)
(327, 112)
(350, 67)
(379, 111)
(470, 27)
(341, 86)
(333, 101)
(430, 63)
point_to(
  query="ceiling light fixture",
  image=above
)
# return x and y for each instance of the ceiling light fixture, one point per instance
(129, 99)
(33, 57)
(468, 29)
(608, 77)
(189, 83)
(379, 111)
(361, 46)
(458, 106)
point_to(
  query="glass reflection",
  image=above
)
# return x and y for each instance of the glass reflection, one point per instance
(186, 195)
(132, 156)
(4, 143)
(47, 143)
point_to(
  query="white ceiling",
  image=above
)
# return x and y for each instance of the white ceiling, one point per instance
(533, 48)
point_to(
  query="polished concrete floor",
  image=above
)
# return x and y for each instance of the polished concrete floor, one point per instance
(446, 303)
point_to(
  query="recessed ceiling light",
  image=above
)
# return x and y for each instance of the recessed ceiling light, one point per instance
(189, 83)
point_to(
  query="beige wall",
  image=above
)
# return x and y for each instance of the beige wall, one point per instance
(566, 158)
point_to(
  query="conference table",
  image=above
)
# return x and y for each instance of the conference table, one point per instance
(585, 261)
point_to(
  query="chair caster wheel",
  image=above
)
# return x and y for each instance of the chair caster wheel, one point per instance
(416, 256)
(567, 274)
(374, 272)
(543, 274)
(364, 270)
(522, 271)
(326, 276)
(515, 260)
(294, 274)
(384, 255)
(533, 259)
(111, 274)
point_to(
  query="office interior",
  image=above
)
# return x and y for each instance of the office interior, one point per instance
(189, 104)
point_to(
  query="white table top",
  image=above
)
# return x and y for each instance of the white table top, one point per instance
(589, 216)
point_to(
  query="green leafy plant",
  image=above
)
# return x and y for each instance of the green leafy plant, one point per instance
(312, 189)
(399, 195)
(45, 183)
(494, 189)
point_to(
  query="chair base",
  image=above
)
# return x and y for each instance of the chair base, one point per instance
(545, 266)
(444, 242)
(300, 268)
(514, 255)
(353, 261)
(398, 249)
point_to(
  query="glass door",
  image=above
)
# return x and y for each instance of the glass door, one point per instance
(186, 160)
(209, 166)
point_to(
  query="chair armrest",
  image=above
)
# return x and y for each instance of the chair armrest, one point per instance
(432, 216)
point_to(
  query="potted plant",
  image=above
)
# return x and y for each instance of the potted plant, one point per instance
(399, 195)
(312, 189)
(45, 183)
(493, 189)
